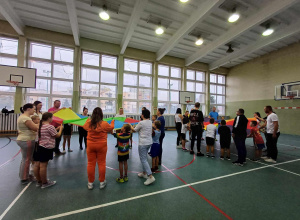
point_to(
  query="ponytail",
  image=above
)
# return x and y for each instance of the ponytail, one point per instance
(21, 110)
(40, 126)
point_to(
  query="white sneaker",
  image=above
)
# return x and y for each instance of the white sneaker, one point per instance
(270, 160)
(149, 181)
(90, 185)
(102, 184)
(264, 157)
(179, 147)
(70, 150)
(142, 175)
(63, 152)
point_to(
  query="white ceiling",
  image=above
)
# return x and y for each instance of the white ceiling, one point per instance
(53, 15)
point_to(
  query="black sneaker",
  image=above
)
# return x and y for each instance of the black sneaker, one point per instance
(235, 163)
(212, 156)
(81, 148)
(24, 182)
(116, 146)
(228, 158)
(241, 164)
(207, 155)
(199, 154)
(184, 149)
(192, 152)
(254, 160)
(221, 158)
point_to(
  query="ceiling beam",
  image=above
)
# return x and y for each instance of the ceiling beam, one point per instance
(241, 27)
(263, 42)
(196, 17)
(71, 7)
(133, 21)
(8, 12)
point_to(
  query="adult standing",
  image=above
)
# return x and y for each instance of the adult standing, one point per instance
(272, 134)
(53, 110)
(213, 114)
(144, 128)
(161, 118)
(38, 109)
(178, 123)
(26, 141)
(143, 108)
(239, 134)
(196, 119)
(97, 146)
(82, 132)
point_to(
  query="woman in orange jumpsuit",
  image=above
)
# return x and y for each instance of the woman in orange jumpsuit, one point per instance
(97, 146)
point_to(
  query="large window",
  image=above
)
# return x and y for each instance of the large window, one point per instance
(137, 90)
(55, 69)
(169, 85)
(98, 82)
(195, 82)
(8, 57)
(217, 93)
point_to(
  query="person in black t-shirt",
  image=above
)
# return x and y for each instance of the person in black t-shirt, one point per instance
(196, 119)
(225, 139)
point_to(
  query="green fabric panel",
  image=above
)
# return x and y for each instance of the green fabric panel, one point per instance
(120, 118)
(79, 122)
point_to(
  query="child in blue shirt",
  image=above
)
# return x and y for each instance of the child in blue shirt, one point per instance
(155, 148)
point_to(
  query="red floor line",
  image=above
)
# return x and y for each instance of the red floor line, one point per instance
(10, 159)
(203, 197)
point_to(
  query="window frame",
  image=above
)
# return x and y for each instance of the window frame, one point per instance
(216, 93)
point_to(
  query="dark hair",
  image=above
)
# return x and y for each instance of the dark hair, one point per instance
(146, 113)
(185, 120)
(36, 104)
(56, 100)
(157, 124)
(161, 110)
(269, 108)
(197, 105)
(144, 108)
(211, 120)
(84, 108)
(45, 117)
(241, 111)
(178, 111)
(258, 114)
(25, 107)
(127, 128)
(254, 123)
(223, 122)
(97, 116)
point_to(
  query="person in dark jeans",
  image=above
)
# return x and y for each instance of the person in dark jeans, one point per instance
(239, 134)
(196, 120)
(161, 118)
(178, 123)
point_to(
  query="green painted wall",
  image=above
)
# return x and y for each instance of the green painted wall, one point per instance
(251, 86)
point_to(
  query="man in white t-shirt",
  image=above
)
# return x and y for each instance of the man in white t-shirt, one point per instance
(273, 133)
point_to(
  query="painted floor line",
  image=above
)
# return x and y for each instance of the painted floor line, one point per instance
(159, 192)
(280, 169)
(13, 202)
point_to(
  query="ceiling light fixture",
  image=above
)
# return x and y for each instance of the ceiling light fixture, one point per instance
(268, 31)
(159, 30)
(184, 1)
(234, 16)
(103, 14)
(199, 41)
(230, 50)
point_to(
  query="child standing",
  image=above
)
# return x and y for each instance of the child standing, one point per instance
(211, 130)
(155, 148)
(184, 129)
(67, 133)
(225, 139)
(123, 151)
(154, 117)
(258, 140)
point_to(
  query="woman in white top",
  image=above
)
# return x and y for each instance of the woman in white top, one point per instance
(38, 107)
(26, 140)
(178, 120)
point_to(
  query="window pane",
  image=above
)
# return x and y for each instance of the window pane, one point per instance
(130, 107)
(42, 69)
(40, 51)
(44, 100)
(108, 77)
(146, 68)
(221, 110)
(8, 61)
(163, 83)
(90, 75)
(220, 99)
(163, 95)
(108, 91)
(109, 62)
(163, 105)
(88, 103)
(190, 74)
(200, 98)
(65, 102)
(145, 81)
(129, 93)
(63, 54)
(108, 106)
(8, 101)
(9, 46)
(174, 108)
(144, 104)
(200, 76)
(221, 79)
(174, 96)
(213, 78)
(145, 94)
(131, 65)
(89, 90)
(130, 79)
(175, 84)
(200, 87)
(175, 72)
(190, 86)
(213, 99)
(63, 71)
(221, 90)
(42, 86)
(90, 59)
(62, 87)
(7, 88)
(163, 70)
(213, 89)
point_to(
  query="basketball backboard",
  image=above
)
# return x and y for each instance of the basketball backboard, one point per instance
(287, 91)
(17, 76)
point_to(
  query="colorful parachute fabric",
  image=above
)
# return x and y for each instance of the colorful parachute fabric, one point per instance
(229, 123)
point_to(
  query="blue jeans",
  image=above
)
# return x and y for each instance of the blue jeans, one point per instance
(143, 152)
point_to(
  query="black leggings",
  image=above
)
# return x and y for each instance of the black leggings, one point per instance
(162, 136)
(178, 129)
(272, 145)
(196, 132)
(82, 135)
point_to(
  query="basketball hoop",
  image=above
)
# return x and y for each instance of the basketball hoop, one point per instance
(14, 83)
(289, 98)
(188, 102)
